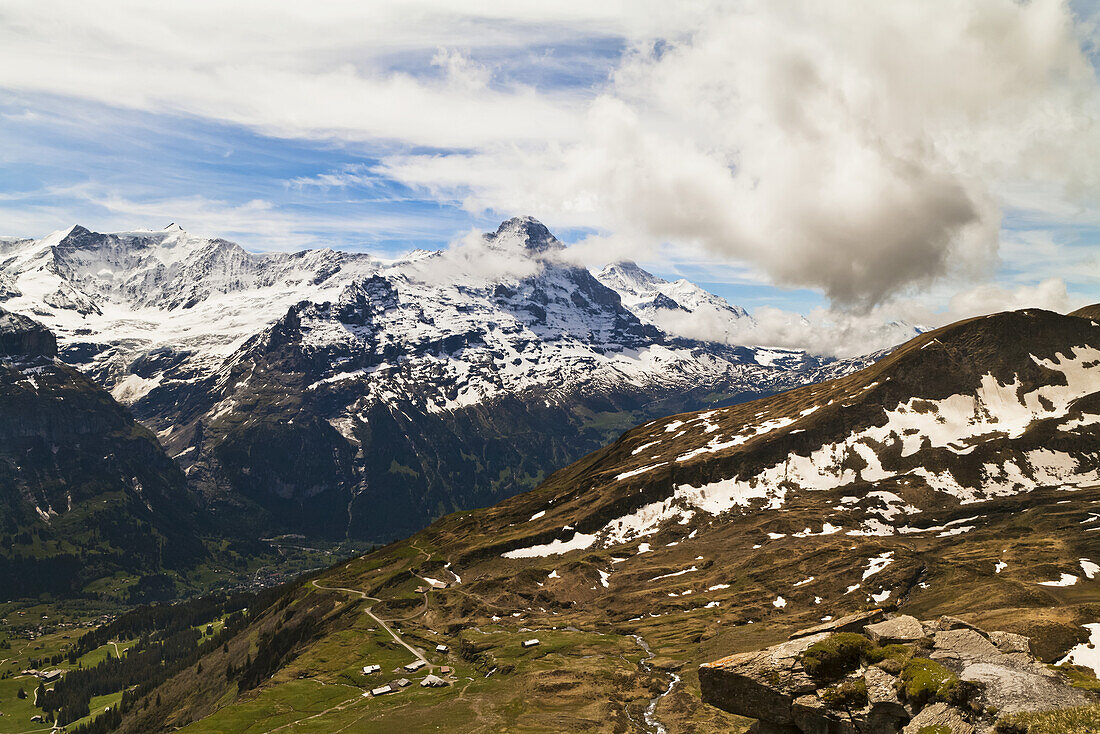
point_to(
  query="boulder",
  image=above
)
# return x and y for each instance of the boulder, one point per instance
(848, 623)
(946, 623)
(810, 715)
(1007, 642)
(761, 684)
(1012, 690)
(1012, 681)
(901, 628)
(940, 715)
(770, 685)
(963, 646)
(882, 694)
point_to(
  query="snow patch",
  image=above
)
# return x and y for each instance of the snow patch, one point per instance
(876, 564)
(1066, 579)
(1087, 653)
(579, 541)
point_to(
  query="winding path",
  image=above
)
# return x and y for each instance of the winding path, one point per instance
(418, 654)
(370, 612)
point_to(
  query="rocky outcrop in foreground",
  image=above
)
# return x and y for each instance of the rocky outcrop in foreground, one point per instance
(874, 673)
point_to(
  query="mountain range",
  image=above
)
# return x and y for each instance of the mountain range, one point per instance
(959, 475)
(340, 395)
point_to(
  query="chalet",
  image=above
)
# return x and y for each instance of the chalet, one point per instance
(446, 669)
(415, 665)
(431, 681)
(368, 669)
(531, 643)
(441, 648)
(381, 691)
(403, 682)
(49, 676)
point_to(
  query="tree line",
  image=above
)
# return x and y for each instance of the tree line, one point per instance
(167, 644)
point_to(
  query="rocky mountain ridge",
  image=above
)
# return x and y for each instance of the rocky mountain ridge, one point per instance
(304, 392)
(987, 407)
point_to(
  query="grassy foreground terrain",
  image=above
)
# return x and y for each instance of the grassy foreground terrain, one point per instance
(590, 671)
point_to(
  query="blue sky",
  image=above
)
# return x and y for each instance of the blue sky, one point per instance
(705, 144)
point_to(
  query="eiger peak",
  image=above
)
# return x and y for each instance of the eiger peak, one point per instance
(526, 232)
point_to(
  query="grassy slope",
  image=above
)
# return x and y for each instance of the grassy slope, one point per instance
(588, 673)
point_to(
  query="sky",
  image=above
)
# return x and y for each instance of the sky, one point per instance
(853, 162)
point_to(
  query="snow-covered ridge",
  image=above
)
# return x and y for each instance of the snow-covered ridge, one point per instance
(140, 309)
(971, 446)
(679, 307)
(111, 298)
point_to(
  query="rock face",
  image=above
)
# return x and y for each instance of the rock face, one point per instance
(763, 684)
(23, 337)
(85, 492)
(984, 673)
(847, 623)
(1012, 680)
(939, 717)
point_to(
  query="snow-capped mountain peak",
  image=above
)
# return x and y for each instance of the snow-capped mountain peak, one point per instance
(679, 307)
(525, 233)
(630, 280)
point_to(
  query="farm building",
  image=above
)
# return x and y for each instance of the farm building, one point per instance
(431, 681)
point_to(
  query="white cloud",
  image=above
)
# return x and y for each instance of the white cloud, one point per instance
(311, 70)
(828, 332)
(857, 148)
(471, 260)
(257, 224)
(989, 298)
(356, 175)
(862, 149)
